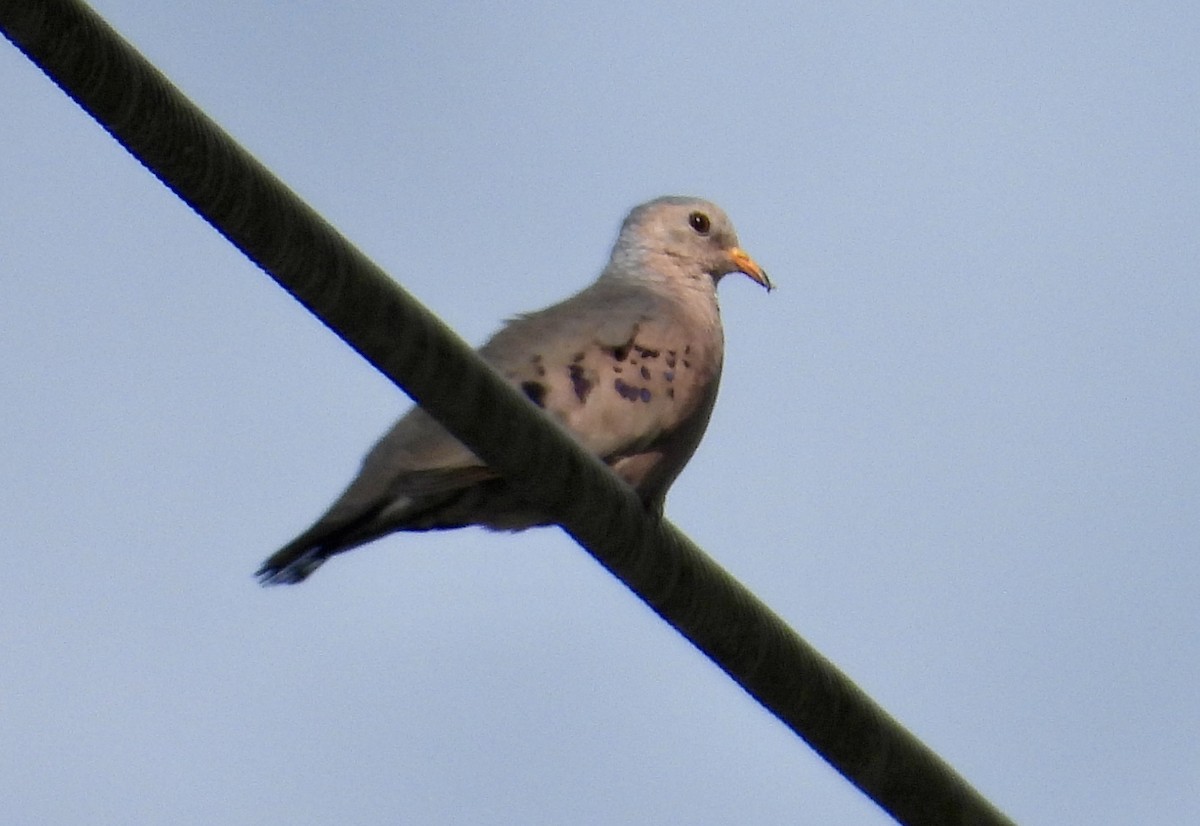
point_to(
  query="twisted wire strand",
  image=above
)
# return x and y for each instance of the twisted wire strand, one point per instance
(257, 213)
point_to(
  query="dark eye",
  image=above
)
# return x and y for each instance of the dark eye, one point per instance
(700, 222)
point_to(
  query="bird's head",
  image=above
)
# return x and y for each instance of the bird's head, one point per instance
(684, 236)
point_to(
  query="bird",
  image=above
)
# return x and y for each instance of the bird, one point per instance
(629, 365)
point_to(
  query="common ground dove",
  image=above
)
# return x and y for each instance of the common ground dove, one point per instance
(630, 366)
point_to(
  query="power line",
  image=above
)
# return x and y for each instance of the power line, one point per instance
(356, 299)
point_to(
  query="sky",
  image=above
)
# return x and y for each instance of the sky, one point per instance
(958, 448)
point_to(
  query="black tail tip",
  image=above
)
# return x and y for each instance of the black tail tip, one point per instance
(277, 571)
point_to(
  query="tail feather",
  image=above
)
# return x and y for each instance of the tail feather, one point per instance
(296, 561)
(336, 532)
(276, 571)
(476, 498)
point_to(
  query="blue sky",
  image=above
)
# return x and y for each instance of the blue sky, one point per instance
(958, 449)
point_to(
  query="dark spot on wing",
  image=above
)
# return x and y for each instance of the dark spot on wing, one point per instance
(670, 392)
(669, 375)
(578, 357)
(627, 391)
(646, 352)
(671, 359)
(621, 352)
(579, 382)
(536, 361)
(632, 392)
(536, 391)
(646, 373)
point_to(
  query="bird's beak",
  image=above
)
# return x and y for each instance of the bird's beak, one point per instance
(743, 263)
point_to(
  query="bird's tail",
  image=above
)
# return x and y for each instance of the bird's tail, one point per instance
(342, 529)
(296, 561)
(432, 502)
(289, 566)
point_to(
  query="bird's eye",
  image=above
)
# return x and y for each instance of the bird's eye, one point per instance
(700, 222)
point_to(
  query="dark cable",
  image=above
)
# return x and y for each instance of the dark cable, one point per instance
(353, 296)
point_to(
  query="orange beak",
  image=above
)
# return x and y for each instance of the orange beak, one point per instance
(743, 263)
